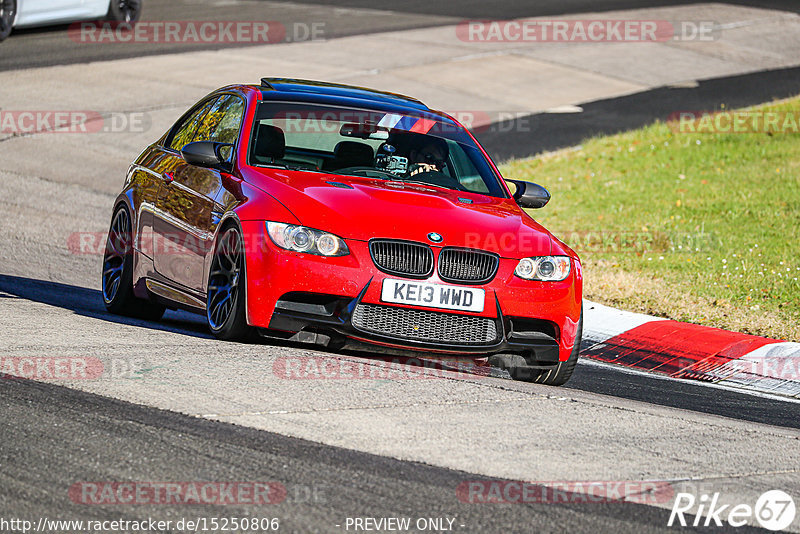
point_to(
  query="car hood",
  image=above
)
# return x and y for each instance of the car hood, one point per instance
(365, 208)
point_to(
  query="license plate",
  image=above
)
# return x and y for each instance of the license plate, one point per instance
(433, 295)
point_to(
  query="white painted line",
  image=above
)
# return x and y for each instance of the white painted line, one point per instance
(568, 108)
(717, 385)
(601, 323)
(774, 368)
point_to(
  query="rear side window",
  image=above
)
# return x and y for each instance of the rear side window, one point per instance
(184, 132)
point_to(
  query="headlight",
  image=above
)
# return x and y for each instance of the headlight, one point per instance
(544, 268)
(302, 239)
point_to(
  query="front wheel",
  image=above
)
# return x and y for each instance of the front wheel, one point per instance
(8, 12)
(226, 303)
(126, 11)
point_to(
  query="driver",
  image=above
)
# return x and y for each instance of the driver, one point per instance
(429, 156)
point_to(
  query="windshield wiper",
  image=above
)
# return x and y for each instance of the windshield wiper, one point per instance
(280, 166)
(417, 182)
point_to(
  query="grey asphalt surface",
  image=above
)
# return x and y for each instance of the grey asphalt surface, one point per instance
(525, 136)
(39, 47)
(54, 437)
(533, 134)
(47, 46)
(509, 9)
(604, 380)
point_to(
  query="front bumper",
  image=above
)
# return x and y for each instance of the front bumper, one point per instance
(290, 292)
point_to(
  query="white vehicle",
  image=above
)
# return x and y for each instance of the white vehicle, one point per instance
(28, 13)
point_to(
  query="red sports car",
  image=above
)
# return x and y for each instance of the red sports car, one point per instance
(328, 213)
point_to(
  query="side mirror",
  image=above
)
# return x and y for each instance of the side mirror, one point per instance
(207, 154)
(530, 195)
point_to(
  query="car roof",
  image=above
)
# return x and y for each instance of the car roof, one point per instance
(310, 90)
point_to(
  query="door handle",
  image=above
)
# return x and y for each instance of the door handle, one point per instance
(168, 176)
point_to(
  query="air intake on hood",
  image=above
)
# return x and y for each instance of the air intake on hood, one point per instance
(466, 266)
(402, 258)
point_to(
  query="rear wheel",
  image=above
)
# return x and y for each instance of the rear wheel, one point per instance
(127, 11)
(8, 11)
(558, 375)
(117, 279)
(225, 306)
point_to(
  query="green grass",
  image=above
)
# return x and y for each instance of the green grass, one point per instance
(696, 227)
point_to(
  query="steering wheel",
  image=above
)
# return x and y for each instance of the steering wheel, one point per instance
(437, 178)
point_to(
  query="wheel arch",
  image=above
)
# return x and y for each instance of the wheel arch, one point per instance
(229, 218)
(142, 263)
(249, 207)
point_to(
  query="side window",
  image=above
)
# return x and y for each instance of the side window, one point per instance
(467, 174)
(185, 132)
(222, 122)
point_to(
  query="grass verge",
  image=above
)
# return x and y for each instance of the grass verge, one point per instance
(697, 227)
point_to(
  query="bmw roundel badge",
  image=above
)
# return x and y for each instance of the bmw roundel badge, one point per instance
(436, 238)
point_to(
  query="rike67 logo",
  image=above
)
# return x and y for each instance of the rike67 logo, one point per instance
(774, 510)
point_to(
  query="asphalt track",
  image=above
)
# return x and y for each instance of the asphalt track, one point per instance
(40, 47)
(534, 134)
(525, 136)
(52, 436)
(594, 378)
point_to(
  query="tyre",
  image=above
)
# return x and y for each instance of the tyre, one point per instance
(117, 281)
(8, 12)
(226, 303)
(127, 11)
(558, 375)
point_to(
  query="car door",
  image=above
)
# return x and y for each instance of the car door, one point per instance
(97, 8)
(185, 217)
(44, 11)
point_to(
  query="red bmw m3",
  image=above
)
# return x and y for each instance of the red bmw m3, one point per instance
(333, 214)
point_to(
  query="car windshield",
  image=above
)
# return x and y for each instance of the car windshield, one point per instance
(422, 148)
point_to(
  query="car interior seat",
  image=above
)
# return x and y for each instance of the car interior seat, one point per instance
(351, 154)
(270, 144)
